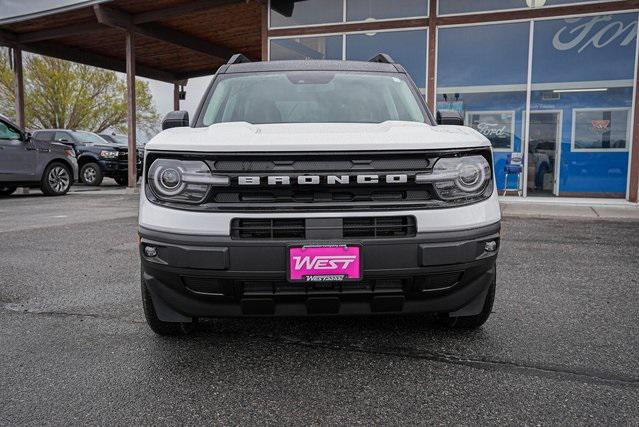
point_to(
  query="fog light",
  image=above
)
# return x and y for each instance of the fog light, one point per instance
(150, 251)
(490, 246)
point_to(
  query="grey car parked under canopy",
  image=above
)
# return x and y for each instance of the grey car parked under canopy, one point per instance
(25, 162)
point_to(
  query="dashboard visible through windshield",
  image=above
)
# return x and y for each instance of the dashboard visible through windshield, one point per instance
(311, 97)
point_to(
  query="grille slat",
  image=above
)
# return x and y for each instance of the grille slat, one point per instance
(296, 228)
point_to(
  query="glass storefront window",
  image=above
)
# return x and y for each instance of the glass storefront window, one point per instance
(583, 69)
(370, 10)
(482, 73)
(288, 13)
(458, 7)
(323, 47)
(497, 126)
(406, 47)
(600, 129)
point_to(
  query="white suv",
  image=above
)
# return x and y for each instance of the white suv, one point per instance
(316, 188)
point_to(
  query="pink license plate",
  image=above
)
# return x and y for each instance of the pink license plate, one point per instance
(324, 263)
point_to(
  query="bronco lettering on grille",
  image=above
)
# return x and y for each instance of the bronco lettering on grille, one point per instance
(328, 179)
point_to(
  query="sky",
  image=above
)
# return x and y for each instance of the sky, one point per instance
(163, 95)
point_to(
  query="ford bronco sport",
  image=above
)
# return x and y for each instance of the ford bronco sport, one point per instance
(316, 188)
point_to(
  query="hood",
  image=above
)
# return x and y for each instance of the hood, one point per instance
(313, 137)
(112, 147)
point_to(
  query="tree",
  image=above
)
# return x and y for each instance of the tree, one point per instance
(67, 95)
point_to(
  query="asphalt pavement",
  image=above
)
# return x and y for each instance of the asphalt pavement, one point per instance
(561, 347)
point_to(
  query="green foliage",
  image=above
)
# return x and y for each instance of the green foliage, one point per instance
(62, 94)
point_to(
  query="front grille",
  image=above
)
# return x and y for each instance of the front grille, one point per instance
(375, 227)
(335, 184)
(300, 228)
(256, 229)
(323, 195)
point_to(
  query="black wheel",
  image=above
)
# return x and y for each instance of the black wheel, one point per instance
(471, 322)
(56, 180)
(157, 325)
(91, 174)
(123, 181)
(7, 191)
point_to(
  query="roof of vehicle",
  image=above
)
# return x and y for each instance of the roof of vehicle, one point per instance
(311, 65)
(8, 120)
(62, 130)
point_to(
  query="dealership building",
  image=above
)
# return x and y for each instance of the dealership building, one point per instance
(551, 83)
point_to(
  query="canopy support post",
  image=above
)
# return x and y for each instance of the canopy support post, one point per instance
(131, 122)
(176, 96)
(19, 87)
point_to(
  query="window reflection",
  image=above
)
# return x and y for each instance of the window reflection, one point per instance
(482, 73)
(329, 47)
(583, 68)
(286, 13)
(365, 10)
(406, 47)
(454, 7)
(600, 129)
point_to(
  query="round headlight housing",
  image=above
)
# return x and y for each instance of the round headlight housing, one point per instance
(471, 176)
(182, 181)
(460, 178)
(168, 181)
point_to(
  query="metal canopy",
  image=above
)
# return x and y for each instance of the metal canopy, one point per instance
(167, 40)
(175, 39)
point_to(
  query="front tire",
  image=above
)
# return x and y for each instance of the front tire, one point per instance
(7, 191)
(472, 322)
(56, 180)
(91, 174)
(122, 181)
(157, 325)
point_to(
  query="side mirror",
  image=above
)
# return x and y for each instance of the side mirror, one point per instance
(175, 119)
(26, 137)
(449, 117)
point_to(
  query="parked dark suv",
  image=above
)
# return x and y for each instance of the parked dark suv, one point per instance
(97, 157)
(26, 162)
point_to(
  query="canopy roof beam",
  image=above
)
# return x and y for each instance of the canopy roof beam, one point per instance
(124, 21)
(83, 57)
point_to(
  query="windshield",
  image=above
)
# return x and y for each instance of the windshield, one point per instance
(311, 97)
(84, 136)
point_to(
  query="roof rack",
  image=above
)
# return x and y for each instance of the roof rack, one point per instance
(383, 58)
(238, 58)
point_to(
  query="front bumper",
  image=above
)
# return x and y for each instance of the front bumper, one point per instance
(204, 276)
(115, 168)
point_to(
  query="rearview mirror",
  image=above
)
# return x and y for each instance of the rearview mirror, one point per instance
(449, 117)
(175, 119)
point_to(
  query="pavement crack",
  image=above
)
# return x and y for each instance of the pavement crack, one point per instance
(556, 372)
(17, 308)
(565, 373)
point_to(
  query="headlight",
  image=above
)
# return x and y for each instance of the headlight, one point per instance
(183, 181)
(457, 178)
(108, 154)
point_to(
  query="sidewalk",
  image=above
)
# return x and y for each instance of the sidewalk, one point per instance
(594, 209)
